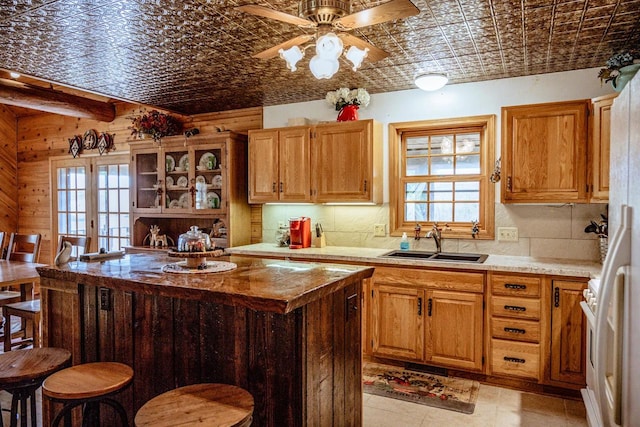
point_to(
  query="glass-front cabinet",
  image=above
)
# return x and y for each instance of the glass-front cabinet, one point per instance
(199, 181)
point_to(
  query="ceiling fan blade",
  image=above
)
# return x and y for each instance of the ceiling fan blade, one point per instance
(395, 9)
(374, 54)
(273, 51)
(265, 12)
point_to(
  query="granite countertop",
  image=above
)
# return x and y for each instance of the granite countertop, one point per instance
(372, 257)
(261, 284)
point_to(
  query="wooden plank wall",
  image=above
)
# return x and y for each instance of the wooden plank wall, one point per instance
(45, 135)
(8, 171)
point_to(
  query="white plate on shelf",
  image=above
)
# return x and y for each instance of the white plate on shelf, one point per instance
(217, 181)
(174, 204)
(170, 163)
(184, 200)
(213, 200)
(170, 182)
(204, 161)
(184, 162)
(200, 179)
(183, 182)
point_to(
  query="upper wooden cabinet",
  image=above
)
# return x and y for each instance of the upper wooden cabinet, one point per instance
(333, 162)
(600, 136)
(199, 181)
(544, 153)
(279, 161)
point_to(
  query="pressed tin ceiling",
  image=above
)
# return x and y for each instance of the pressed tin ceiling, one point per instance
(194, 56)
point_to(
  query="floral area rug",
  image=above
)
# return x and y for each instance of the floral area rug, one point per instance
(455, 394)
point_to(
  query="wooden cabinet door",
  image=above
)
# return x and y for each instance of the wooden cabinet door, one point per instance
(454, 329)
(568, 333)
(398, 318)
(599, 150)
(544, 152)
(342, 162)
(263, 166)
(294, 165)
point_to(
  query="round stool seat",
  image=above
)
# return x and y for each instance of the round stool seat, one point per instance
(21, 367)
(22, 372)
(87, 381)
(213, 405)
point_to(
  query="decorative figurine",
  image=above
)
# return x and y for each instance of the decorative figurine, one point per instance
(64, 255)
(157, 239)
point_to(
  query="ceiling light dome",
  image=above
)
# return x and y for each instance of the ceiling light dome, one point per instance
(431, 81)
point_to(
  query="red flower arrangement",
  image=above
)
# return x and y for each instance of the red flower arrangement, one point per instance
(156, 124)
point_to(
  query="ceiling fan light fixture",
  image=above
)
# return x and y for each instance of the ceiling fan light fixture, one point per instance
(356, 55)
(431, 81)
(292, 56)
(323, 68)
(329, 46)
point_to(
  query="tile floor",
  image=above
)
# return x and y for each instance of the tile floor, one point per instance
(496, 407)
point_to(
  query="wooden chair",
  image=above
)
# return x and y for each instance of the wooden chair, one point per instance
(3, 253)
(28, 311)
(79, 244)
(23, 247)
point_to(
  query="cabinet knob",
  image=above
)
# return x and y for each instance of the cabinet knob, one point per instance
(515, 308)
(515, 330)
(514, 359)
(514, 286)
(273, 187)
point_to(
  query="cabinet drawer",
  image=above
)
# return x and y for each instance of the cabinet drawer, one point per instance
(431, 279)
(526, 286)
(519, 308)
(516, 359)
(518, 330)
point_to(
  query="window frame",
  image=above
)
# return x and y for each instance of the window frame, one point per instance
(461, 230)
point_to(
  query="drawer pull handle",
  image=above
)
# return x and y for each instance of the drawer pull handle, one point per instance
(515, 308)
(515, 330)
(514, 359)
(514, 286)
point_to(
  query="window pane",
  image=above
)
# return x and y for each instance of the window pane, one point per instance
(72, 178)
(441, 212)
(415, 211)
(82, 224)
(417, 166)
(113, 224)
(102, 200)
(113, 200)
(468, 165)
(113, 176)
(442, 165)
(72, 201)
(417, 146)
(102, 177)
(62, 201)
(124, 176)
(62, 223)
(467, 212)
(62, 178)
(124, 200)
(439, 191)
(103, 225)
(124, 225)
(467, 191)
(441, 144)
(468, 143)
(81, 179)
(73, 223)
(416, 191)
(82, 203)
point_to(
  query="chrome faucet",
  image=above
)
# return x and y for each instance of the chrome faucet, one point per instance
(436, 233)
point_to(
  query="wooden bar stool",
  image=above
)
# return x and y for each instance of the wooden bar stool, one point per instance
(89, 384)
(22, 372)
(212, 405)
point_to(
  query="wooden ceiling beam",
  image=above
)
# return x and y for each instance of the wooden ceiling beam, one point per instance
(23, 95)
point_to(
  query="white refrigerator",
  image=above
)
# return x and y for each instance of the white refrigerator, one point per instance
(617, 316)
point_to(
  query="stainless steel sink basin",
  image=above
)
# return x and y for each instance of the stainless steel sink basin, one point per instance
(441, 256)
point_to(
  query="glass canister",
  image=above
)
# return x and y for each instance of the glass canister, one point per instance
(194, 241)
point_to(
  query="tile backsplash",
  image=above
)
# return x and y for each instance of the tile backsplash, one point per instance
(555, 231)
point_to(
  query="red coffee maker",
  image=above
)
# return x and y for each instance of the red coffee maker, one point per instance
(300, 232)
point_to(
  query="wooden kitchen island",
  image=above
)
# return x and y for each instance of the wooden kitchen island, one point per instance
(288, 332)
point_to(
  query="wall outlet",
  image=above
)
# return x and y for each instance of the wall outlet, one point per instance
(379, 230)
(508, 234)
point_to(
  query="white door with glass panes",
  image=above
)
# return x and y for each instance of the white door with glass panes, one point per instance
(91, 198)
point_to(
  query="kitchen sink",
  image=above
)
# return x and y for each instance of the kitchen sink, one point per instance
(438, 256)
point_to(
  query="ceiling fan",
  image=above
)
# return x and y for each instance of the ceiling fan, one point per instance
(328, 16)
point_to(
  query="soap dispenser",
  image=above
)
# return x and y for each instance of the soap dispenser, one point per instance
(404, 242)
